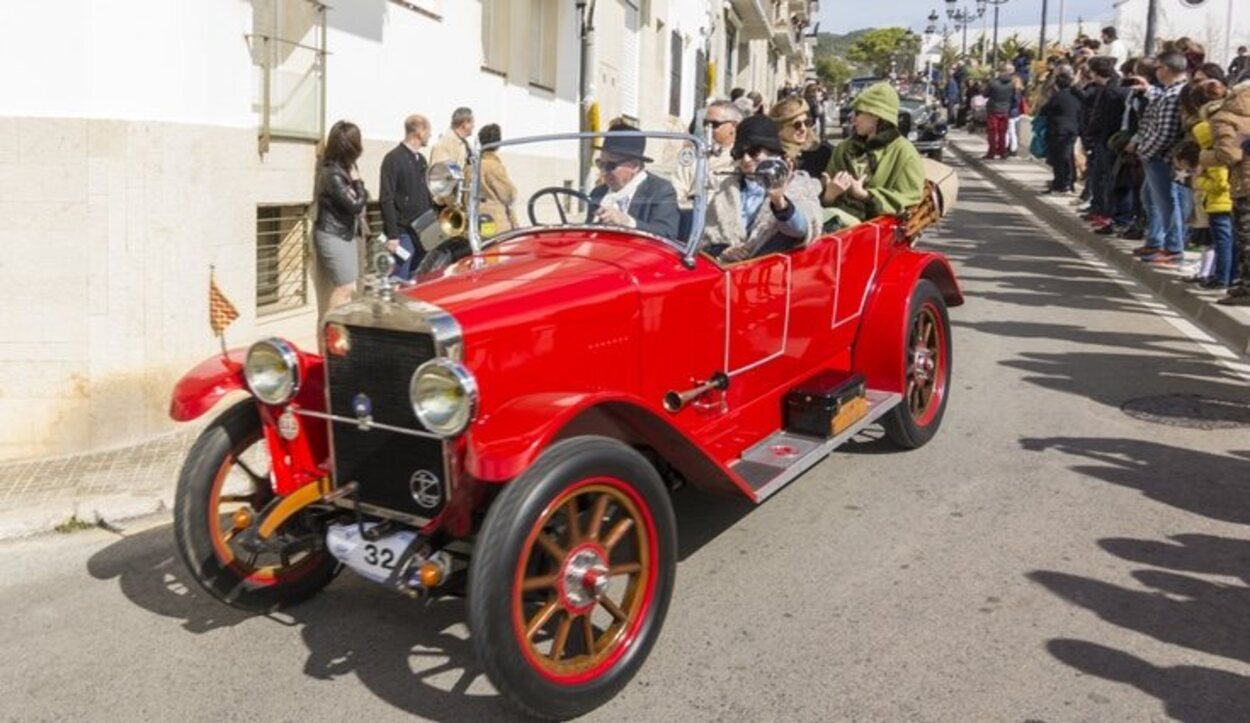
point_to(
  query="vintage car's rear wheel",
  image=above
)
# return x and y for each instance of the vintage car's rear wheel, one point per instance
(224, 485)
(927, 384)
(572, 575)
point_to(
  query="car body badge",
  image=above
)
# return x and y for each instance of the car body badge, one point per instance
(362, 405)
(426, 490)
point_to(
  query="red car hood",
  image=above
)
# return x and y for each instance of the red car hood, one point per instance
(542, 273)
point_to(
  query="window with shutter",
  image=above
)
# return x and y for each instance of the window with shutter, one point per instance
(674, 82)
(629, 63)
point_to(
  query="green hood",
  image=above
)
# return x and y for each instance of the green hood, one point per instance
(880, 100)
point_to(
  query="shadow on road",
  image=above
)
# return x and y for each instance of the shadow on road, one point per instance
(415, 656)
(1199, 614)
(1188, 692)
(1164, 473)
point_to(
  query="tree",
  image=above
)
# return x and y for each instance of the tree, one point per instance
(881, 48)
(835, 72)
(1010, 46)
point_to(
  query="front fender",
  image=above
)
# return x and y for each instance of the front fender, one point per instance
(200, 389)
(295, 462)
(505, 444)
(881, 342)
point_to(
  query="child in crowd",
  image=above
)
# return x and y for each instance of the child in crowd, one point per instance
(1212, 181)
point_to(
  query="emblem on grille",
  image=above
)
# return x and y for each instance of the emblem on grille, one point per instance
(362, 405)
(425, 488)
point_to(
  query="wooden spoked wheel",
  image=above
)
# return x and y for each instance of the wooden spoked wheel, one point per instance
(585, 579)
(926, 372)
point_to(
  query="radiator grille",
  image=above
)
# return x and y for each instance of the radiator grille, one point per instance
(389, 467)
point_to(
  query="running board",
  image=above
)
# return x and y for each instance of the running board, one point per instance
(780, 458)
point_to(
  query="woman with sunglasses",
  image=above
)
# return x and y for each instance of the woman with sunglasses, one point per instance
(876, 171)
(799, 136)
(747, 216)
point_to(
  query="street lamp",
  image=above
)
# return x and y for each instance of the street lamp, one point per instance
(994, 52)
(963, 17)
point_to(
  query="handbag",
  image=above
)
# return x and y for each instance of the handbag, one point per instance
(1037, 146)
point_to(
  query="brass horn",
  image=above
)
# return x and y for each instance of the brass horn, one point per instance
(676, 401)
(453, 222)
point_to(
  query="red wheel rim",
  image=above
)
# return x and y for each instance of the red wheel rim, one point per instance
(927, 356)
(222, 526)
(585, 580)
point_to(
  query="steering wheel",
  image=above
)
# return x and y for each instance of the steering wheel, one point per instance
(556, 191)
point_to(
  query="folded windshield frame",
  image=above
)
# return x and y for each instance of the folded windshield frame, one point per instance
(699, 208)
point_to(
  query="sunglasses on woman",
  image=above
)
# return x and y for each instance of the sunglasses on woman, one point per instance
(803, 123)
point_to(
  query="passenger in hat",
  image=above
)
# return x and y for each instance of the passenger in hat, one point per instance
(745, 218)
(876, 171)
(629, 196)
(797, 130)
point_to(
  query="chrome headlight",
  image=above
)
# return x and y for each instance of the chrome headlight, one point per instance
(444, 396)
(444, 179)
(272, 371)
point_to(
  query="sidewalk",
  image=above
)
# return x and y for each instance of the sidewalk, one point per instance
(107, 487)
(1023, 180)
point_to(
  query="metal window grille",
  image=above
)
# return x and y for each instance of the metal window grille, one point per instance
(282, 257)
(373, 215)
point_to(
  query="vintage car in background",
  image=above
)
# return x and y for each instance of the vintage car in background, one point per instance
(923, 122)
(511, 426)
(853, 88)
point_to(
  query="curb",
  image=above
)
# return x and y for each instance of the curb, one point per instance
(104, 511)
(1225, 324)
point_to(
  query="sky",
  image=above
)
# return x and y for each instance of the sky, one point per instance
(842, 16)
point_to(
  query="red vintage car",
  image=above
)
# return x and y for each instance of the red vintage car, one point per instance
(512, 425)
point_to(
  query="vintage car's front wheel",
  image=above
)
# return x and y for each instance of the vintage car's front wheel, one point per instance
(571, 577)
(928, 370)
(223, 487)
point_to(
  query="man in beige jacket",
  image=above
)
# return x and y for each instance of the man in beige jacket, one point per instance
(722, 119)
(454, 145)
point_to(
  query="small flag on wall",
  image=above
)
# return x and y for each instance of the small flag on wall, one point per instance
(220, 311)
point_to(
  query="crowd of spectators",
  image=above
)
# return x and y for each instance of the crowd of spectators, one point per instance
(1156, 145)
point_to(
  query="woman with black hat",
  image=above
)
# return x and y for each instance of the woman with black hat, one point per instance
(739, 226)
(629, 196)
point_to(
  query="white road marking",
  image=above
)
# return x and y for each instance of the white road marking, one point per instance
(1224, 355)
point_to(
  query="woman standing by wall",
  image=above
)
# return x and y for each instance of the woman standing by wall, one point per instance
(341, 199)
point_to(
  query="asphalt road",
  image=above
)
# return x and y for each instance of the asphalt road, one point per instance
(1046, 558)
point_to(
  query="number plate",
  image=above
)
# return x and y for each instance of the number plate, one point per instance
(373, 559)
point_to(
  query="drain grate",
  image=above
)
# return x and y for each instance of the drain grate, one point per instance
(1190, 410)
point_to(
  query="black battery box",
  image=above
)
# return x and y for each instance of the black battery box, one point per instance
(826, 404)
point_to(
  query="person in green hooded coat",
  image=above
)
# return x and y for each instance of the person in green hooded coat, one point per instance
(876, 171)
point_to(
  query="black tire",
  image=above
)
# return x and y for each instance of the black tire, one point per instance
(244, 585)
(905, 425)
(442, 256)
(936, 155)
(506, 553)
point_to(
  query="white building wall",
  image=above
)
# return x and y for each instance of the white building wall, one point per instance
(129, 163)
(1219, 25)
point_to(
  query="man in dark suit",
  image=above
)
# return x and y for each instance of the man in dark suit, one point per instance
(629, 196)
(405, 196)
